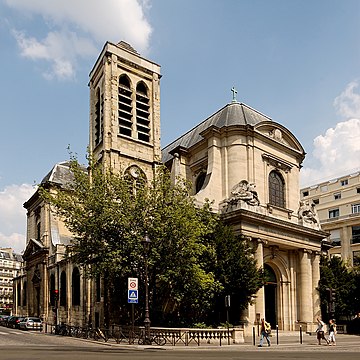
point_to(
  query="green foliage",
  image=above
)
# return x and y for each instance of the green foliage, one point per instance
(334, 274)
(200, 325)
(193, 260)
(236, 270)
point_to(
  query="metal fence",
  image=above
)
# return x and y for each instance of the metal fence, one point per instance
(136, 335)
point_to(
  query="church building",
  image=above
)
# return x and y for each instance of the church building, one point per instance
(239, 158)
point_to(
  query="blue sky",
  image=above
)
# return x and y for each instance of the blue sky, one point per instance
(297, 61)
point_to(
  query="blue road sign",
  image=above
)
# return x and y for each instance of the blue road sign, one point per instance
(133, 296)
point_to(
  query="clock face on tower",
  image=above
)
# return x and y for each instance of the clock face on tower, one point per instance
(134, 171)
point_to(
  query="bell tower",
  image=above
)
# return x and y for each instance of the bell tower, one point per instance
(125, 110)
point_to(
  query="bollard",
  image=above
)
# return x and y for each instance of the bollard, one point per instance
(254, 336)
(277, 334)
(300, 335)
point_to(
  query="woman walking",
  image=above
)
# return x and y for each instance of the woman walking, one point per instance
(332, 332)
(320, 331)
(265, 331)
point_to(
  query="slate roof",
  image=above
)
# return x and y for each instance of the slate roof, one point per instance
(231, 114)
(60, 174)
(126, 46)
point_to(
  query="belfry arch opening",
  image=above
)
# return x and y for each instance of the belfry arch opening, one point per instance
(270, 289)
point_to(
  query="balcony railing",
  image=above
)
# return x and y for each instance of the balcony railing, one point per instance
(337, 218)
(6, 274)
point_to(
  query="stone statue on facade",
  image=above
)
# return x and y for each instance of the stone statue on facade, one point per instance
(244, 191)
(308, 213)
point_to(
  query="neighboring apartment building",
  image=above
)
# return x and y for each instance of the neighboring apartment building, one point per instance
(10, 264)
(337, 203)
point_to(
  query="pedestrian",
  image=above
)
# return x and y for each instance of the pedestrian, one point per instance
(320, 331)
(265, 332)
(332, 332)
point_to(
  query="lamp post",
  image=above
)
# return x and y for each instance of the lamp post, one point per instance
(146, 243)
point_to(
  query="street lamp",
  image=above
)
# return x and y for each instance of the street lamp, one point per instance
(146, 243)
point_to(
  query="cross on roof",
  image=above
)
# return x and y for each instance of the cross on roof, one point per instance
(234, 91)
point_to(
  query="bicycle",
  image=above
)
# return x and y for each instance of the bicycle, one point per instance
(61, 329)
(156, 338)
(97, 334)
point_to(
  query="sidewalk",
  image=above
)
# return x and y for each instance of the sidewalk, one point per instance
(291, 342)
(285, 342)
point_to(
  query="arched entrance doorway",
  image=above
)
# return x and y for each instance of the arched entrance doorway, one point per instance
(270, 296)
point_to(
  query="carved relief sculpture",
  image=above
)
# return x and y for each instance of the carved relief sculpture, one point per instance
(308, 213)
(244, 191)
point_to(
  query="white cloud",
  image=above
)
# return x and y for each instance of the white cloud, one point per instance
(13, 216)
(79, 28)
(337, 152)
(348, 102)
(15, 241)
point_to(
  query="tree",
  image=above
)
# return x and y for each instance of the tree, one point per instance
(193, 260)
(109, 220)
(236, 270)
(338, 279)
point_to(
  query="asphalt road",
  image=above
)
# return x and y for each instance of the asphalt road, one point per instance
(22, 345)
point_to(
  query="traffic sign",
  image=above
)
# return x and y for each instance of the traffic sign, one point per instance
(133, 296)
(132, 283)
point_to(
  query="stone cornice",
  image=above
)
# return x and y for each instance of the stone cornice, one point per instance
(290, 227)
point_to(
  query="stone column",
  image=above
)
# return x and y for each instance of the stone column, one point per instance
(260, 299)
(315, 284)
(306, 298)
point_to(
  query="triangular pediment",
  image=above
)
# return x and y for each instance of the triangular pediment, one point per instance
(33, 247)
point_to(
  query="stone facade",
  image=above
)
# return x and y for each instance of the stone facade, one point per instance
(125, 110)
(124, 133)
(239, 158)
(249, 166)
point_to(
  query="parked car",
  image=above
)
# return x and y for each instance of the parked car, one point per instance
(3, 320)
(30, 323)
(13, 322)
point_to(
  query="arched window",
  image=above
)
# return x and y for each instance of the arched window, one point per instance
(38, 231)
(142, 112)
(63, 288)
(200, 180)
(99, 117)
(75, 286)
(270, 274)
(276, 189)
(135, 177)
(24, 293)
(52, 289)
(125, 106)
